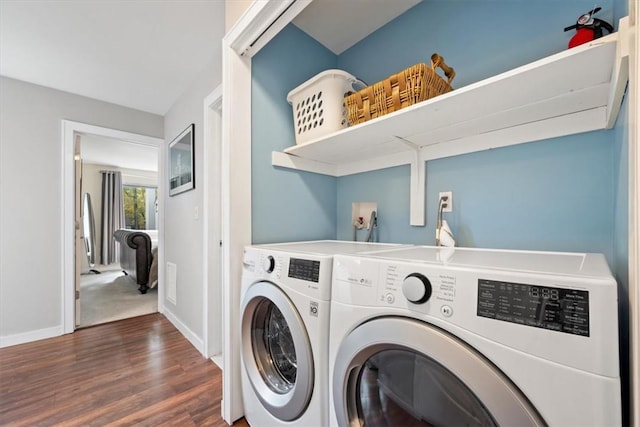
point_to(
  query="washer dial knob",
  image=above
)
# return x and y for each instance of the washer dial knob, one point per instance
(416, 288)
(269, 264)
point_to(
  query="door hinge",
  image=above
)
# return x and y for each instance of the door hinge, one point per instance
(220, 243)
(77, 294)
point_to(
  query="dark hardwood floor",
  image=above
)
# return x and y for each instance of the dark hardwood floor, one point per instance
(139, 371)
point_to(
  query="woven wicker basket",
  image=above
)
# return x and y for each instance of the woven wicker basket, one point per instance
(414, 84)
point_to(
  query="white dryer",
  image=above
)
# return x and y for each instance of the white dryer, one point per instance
(286, 290)
(451, 336)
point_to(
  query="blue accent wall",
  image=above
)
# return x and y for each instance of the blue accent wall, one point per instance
(286, 205)
(547, 195)
(478, 38)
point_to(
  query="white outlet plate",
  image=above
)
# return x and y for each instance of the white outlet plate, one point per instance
(449, 194)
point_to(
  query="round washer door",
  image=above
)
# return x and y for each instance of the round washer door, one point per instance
(276, 351)
(399, 371)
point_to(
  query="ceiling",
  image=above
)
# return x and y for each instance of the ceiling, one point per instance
(144, 54)
(141, 54)
(339, 24)
(122, 154)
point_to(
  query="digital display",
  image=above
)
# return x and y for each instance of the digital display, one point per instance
(304, 269)
(557, 309)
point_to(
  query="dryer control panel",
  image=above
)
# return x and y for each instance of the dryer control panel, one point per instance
(557, 309)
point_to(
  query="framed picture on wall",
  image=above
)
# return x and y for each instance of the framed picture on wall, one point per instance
(182, 162)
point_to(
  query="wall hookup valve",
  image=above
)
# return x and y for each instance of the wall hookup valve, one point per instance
(588, 28)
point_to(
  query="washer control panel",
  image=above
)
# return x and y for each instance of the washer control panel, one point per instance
(309, 274)
(304, 269)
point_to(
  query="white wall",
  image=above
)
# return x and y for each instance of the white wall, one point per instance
(184, 228)
(31, 198)
(233, 11)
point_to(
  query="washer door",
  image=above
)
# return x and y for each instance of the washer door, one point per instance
(276, 351)
(399, 371)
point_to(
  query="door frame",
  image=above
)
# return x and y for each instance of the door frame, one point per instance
(67, 226)
(213, 309)
(634, 212)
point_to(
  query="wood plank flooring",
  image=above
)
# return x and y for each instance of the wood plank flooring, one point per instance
(138, 371)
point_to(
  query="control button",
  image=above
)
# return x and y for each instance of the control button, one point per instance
(389, 298)
(416, 288)
(269, 264)
(446, 311)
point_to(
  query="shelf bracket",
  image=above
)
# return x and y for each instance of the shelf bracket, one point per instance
(418, 188)
(298, 163)
(417, 185)
(620, 73)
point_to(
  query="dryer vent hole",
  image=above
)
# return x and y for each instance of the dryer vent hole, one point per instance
(309, 113)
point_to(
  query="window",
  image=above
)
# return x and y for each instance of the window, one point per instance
(140, 207)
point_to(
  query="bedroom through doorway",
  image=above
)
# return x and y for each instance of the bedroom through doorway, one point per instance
(116, 188)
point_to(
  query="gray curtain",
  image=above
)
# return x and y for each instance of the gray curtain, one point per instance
(112, 215)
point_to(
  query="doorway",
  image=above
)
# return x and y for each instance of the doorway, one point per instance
(74, 132)
(106, 292)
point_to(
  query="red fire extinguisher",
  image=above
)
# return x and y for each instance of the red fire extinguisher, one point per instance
(588, 28)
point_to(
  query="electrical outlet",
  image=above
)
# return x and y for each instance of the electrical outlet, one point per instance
(448, 205)
(362, 210)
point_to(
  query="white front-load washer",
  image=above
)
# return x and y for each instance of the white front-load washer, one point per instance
(286, 290)
(452, 336)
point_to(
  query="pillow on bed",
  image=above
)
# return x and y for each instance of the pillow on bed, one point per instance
(153, 273)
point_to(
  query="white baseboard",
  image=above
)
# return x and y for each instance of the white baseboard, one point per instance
(218, 360)
(195, 340)
(26, 337)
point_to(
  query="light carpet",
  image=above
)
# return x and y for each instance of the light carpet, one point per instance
(111, 296)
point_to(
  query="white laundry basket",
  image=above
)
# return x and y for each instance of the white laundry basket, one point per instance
(318, 104)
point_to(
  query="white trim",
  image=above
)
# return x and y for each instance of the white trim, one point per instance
(184, 330)
(218, 360)
(67, 226)
(620, 74)
(31, 336)
(262, 21)
(236, 215)
(634, 213)
(212, 307)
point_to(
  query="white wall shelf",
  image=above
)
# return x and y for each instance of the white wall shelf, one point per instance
(574, 91)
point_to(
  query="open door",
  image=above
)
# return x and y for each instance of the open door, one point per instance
(89, 232)
(78, 238)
